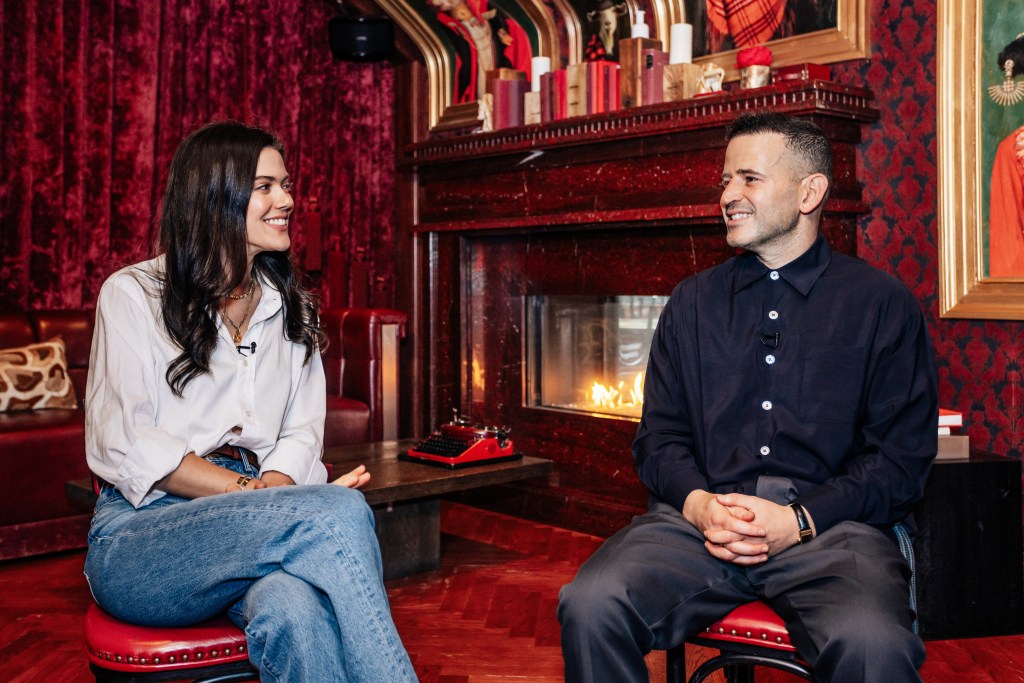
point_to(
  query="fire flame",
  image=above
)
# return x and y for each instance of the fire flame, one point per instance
(619, 398)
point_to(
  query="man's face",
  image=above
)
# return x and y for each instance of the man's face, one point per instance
(761, 191)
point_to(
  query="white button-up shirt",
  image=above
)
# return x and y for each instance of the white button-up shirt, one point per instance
(136, 429)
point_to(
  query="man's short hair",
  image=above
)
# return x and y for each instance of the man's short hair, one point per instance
(804, 138)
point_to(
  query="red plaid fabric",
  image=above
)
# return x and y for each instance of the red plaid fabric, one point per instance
(749, 22)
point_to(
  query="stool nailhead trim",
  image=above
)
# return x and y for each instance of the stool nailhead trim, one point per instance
(171, 659)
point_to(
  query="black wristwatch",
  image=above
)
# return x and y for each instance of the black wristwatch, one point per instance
(805, 532)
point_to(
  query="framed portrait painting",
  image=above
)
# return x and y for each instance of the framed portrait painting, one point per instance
(980, 118)
(796, 31)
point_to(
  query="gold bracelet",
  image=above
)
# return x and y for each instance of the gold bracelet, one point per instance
(242, 482)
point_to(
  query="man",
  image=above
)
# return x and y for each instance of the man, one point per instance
(787, 375)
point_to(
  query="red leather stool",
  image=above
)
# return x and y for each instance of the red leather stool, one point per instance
(754, 635)
(211, 652)
(751, 635)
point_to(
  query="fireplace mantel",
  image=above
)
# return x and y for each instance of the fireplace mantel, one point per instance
(641, 165)
(620, 203)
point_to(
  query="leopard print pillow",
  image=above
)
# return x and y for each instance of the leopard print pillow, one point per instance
(36, 376)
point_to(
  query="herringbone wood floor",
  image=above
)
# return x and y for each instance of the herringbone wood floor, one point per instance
(487, 616)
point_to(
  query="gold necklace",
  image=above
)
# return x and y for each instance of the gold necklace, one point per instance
(252, 286)
(248, 307)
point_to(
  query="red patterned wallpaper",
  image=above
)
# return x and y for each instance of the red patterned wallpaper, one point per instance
(979, 361)
(95, 96)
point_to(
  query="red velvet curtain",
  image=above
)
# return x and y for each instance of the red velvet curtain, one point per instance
(96, 94)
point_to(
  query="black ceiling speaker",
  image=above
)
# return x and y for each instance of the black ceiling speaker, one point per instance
(362, 39)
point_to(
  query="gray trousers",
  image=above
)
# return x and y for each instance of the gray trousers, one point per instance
(844, 597)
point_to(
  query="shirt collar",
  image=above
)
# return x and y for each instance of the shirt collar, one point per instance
(270, 303)
(801, 273)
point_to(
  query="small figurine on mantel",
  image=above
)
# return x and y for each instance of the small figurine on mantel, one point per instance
(712, 79)
(755, 65)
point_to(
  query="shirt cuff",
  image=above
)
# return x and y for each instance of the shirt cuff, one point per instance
(822, 509)
(153, 456)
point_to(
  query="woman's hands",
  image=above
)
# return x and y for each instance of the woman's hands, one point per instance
(275, 478)
(354, 479)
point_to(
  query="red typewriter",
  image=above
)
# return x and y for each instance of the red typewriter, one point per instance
(461, 443)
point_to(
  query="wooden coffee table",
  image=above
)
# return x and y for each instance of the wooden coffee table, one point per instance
(405, 497)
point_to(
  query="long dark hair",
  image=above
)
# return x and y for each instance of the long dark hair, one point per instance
(203, 238)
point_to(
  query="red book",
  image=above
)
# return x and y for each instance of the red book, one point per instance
(547, 96)
(561, 97)
(596, 87)
(501, 91)
(611, 87)
(802, 72)
(508, 102)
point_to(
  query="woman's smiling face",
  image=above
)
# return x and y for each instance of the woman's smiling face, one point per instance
(270, 205)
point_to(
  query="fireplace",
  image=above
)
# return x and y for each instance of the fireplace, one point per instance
(545, 255)
(587, 354)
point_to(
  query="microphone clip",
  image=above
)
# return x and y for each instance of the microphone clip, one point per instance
(247, 349)
(771, 340)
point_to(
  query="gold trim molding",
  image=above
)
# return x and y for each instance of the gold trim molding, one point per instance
(963, 291)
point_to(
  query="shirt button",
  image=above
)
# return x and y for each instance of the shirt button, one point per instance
(774, 275)
(248, 413)
(765, 450)
(245, 363)
(767, 405)
(769, 359)
(774, 315)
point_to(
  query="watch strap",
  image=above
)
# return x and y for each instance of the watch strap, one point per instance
(804, 533)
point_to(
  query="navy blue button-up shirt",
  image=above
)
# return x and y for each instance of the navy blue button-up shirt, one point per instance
(813, 383)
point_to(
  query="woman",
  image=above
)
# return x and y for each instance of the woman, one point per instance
(205, 406)
(1006, 189)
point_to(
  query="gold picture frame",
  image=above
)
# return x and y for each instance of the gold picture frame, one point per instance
(964, 291)
(850, 39)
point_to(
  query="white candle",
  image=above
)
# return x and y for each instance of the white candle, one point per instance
(640, 29)
(538, 67)
(681, 51)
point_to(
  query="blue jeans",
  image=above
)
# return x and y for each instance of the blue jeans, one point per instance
(297, 567)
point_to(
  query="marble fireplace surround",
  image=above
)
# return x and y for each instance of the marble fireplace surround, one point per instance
(612, 204)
